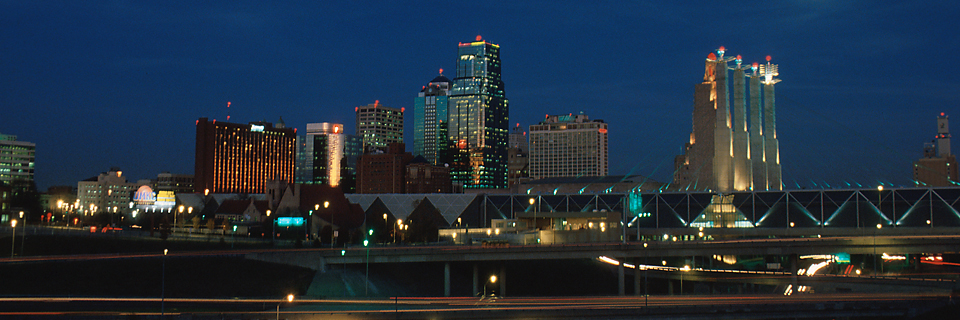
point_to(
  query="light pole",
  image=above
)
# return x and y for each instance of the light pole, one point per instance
(13, 239)
(366, 279)
(875, 259)
(493, 279)
(535, 220)
(273, 228)
(289, 299)
(684, 269)
(399, 223)
(163, 282)
(23, 233)
(175, 216)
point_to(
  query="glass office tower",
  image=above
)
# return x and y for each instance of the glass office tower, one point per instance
(429, 118)
(478, 124)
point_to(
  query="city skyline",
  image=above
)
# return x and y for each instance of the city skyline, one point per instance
(121, 85)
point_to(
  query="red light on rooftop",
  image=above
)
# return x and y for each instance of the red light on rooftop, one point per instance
(768, 58)
(518, 124)
(198, 122)
(376, 103)
(711, 56)
(739, 57)
(756, 65)
(402, 109)
(479, 38)
(602, 130)
(441, 71)
(357, 109)
(941, 114)
(722, 48)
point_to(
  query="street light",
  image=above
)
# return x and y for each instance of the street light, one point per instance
(492, 279)
(13, 239)
(682, 270)
(875, 259)
(273, 227)
(23, 233)
(289, 299)
(366, 280)
(400, 224)
(163, 282)
(175, 216)
(535, 220)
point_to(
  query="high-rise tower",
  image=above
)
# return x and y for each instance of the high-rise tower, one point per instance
(240, 158)
(568, 146)
(430, 119)
(478, 125)
(379, 126)
(327, 155)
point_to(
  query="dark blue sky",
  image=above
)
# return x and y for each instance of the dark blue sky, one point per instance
(121, 83)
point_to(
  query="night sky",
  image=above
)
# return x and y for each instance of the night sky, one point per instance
(122, 83)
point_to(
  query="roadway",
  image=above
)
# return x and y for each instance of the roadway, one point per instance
(868, 305)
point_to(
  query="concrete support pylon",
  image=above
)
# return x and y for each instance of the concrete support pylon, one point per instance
(476, 274)
(637, 291)
(621, 286)
(503, 281)
(446, 279)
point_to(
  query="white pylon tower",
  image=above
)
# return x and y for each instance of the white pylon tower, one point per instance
(742, 168)
(759, 167)
(771, 144)
(723, 138)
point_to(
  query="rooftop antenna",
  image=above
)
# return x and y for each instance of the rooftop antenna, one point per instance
(228, 110)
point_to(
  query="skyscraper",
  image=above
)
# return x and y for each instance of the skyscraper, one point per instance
(379, 126)
(568, 146)
(239, 158)
(327, 156)
(726, 152)
(478, 125)
(430, 119)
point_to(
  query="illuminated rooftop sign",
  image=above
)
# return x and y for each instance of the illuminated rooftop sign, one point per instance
(256, 128)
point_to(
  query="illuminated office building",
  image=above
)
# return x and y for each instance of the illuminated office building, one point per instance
(328, 156)
(568, 146)
(518, 157)
(108, 192)
(478, 124)
(735, 151)
(379, 126)
(16, 161)
(430, 119)
(240, 158)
